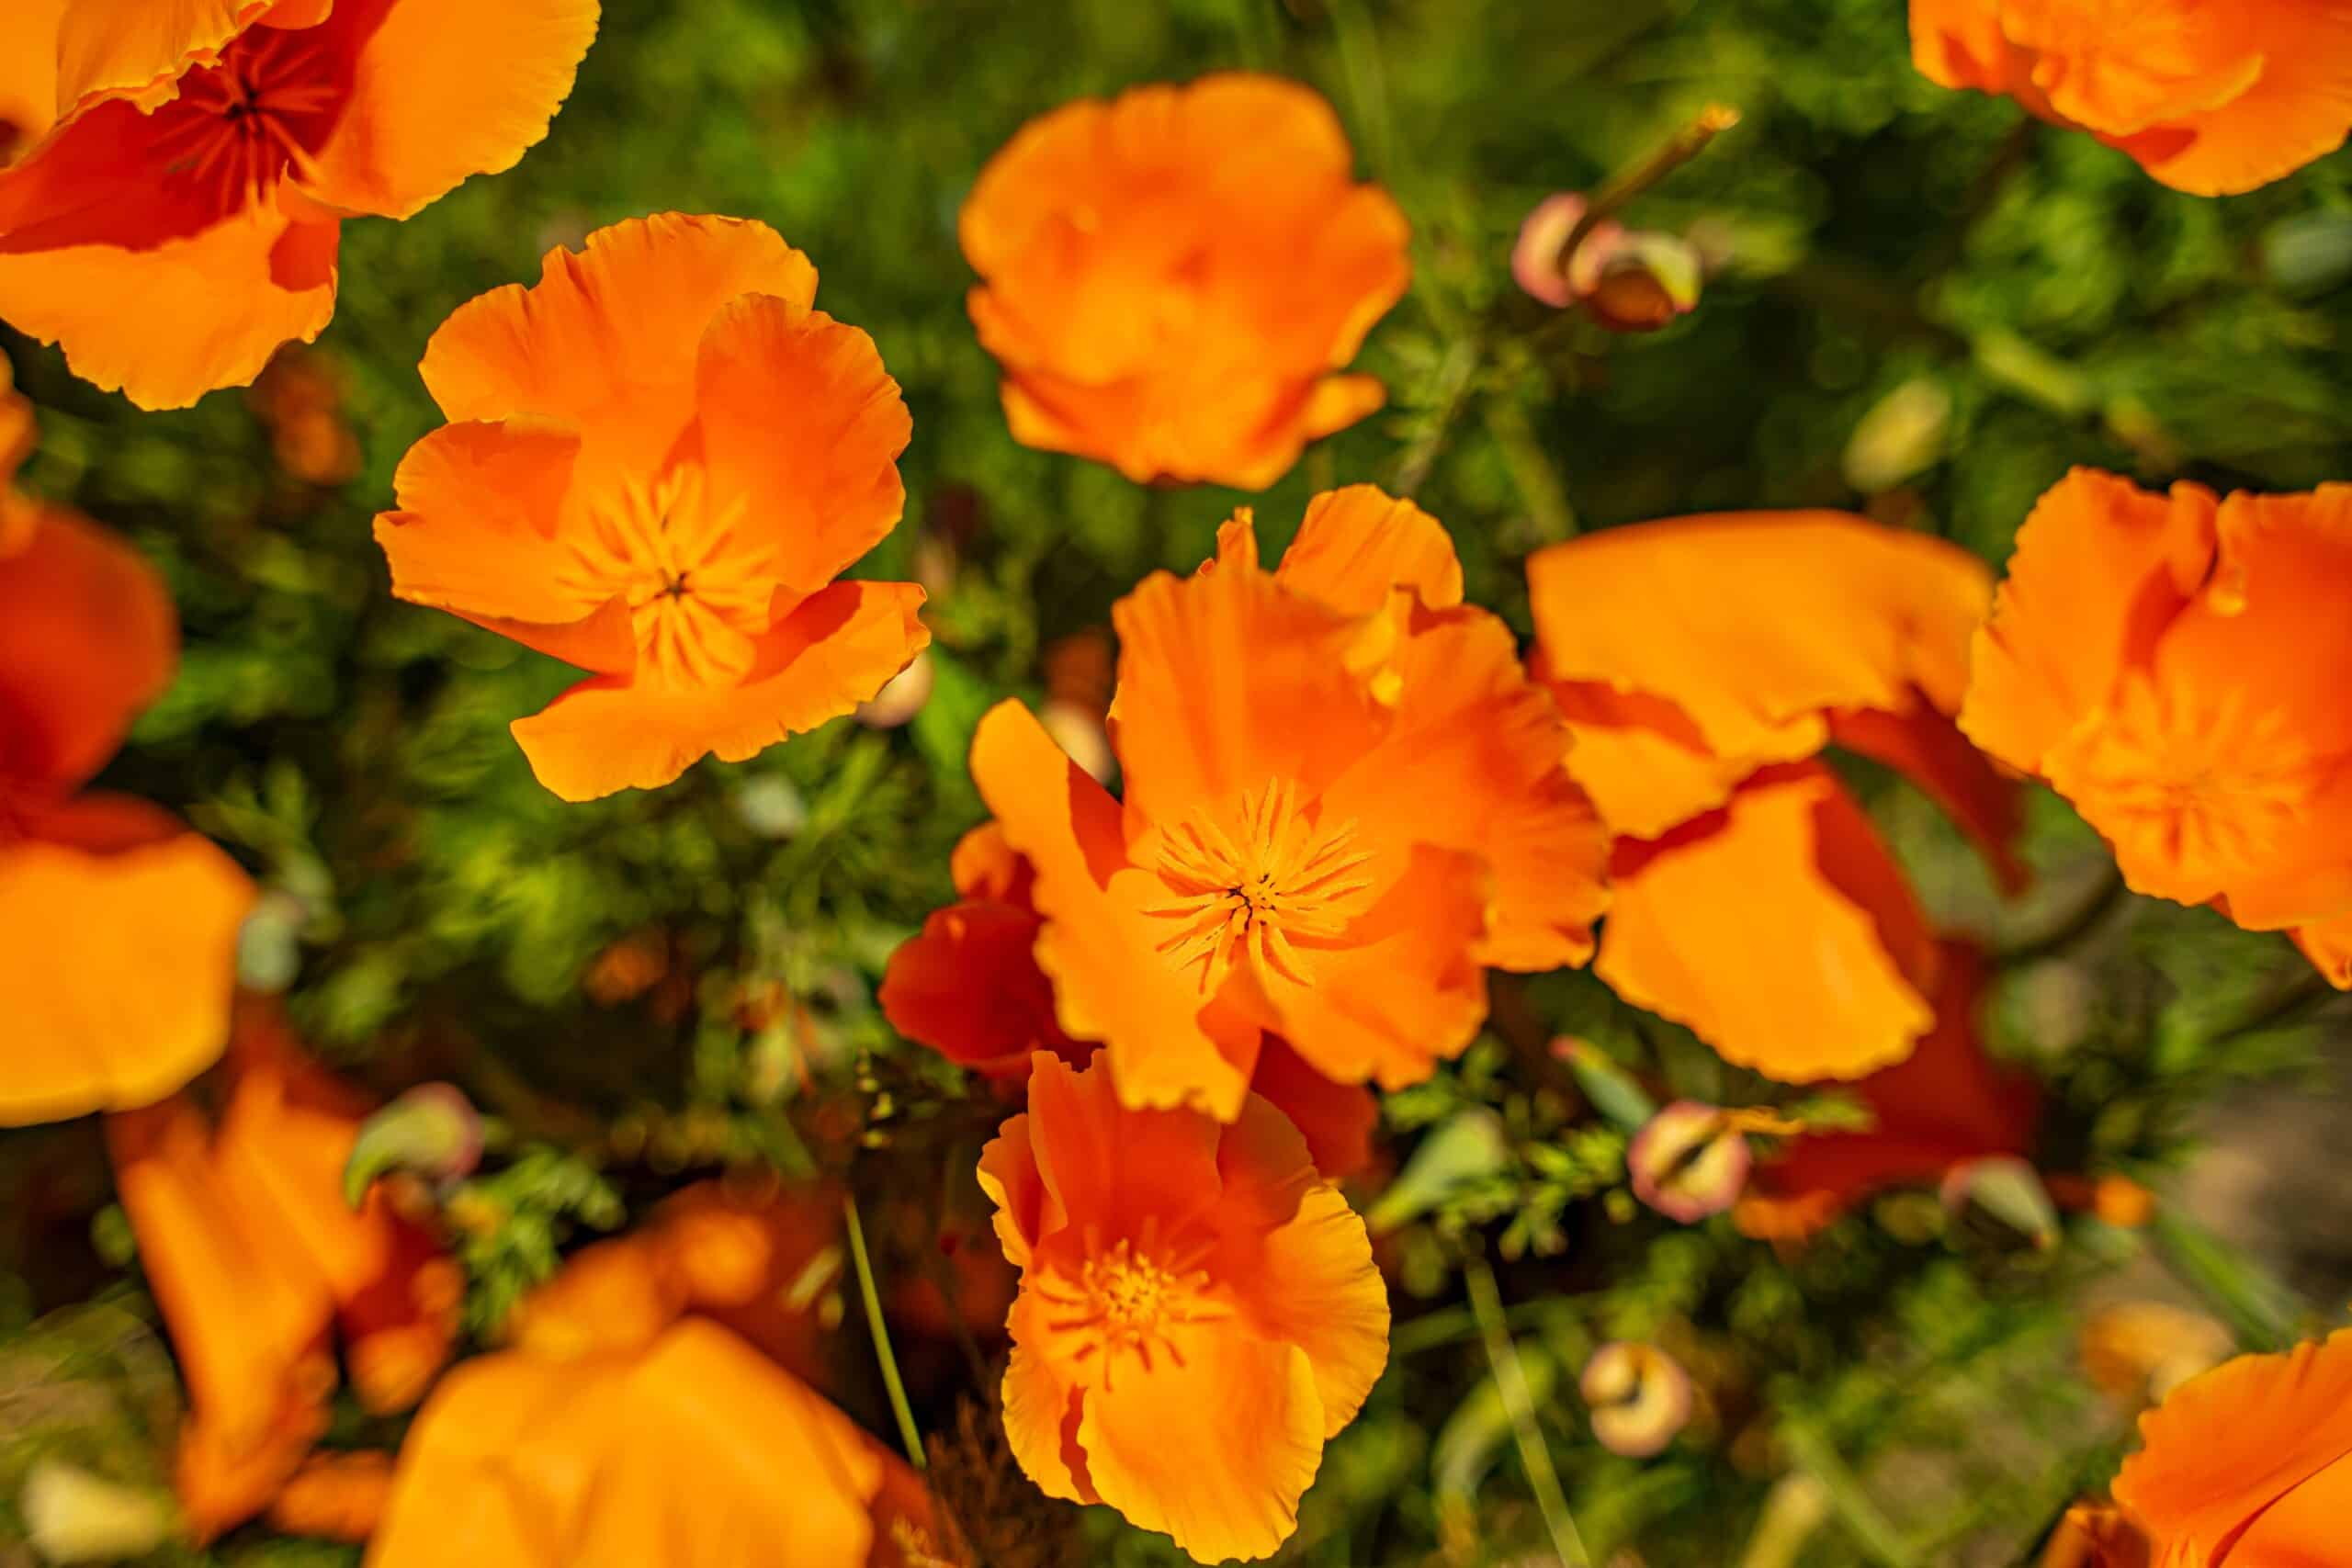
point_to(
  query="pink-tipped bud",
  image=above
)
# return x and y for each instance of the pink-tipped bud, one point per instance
(1644, 280)
(1688, 1161)
(1536, 261)
(1639, 1395)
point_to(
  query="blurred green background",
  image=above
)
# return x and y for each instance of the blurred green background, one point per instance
(1920, 305)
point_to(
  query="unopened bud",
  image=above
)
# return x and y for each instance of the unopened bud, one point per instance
(1609, 1086)
(1537, 262)
(1690, 1161)
(2007, 1189)
(1643, 281)
(1639, 1395)
(432, 1130)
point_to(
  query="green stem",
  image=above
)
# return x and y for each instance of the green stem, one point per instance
(1872, 1530)
(1510, 1379)
(908, 1433)
(1635, 178)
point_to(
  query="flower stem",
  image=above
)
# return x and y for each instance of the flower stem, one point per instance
(1635, 178)
(908, 1433)
(1511, 1378)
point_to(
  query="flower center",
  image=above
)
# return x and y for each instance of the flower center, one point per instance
(1274, 880)
(697, 595)
(237, 126)
(1130, 1296)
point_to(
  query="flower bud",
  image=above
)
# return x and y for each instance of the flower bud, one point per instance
(1688, 1162)
(1643, 280)
(432, 1130)
(1536, 262)
(2007, 1189)
(1639, 1395)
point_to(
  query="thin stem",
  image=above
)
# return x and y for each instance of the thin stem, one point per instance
(1511, 1378)
(1872, 1530)
(908, 1433)
(2086, 917)
(1635, 178)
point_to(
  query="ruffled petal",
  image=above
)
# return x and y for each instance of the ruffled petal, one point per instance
(87, 639)
(1041, 1426)
(2294, 60)
(1106, 1167)
(802, 426)
(1356, 545)
(1779, 930)
(967, 985)
(442, 90)
(838, 649)
(2228, 1444)
(118, 953)
(140, 48)
(606, 340)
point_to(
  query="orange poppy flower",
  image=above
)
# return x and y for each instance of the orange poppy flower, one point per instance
(2166, 663)
(16, 434)
(2210, 96)
(660, 458)
(118, 927)
(1169, 279)
(1343, 796)
(2249, 1464)
(1700, 662)
(1946, 1105)
(181, 217)
(689, 1451)
(253, 1255)
(1173, 1267)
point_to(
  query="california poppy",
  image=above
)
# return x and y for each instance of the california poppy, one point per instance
(659, 459)
(181, 217)
(1343, 798)
(1700, 662)
(1173, 1268)
(118, 926)
(2250, 1462)
(1945, 1105)
(1169, 279)
(2169, 663)
(254, 1256)
(691, 1450)
(2210, 96)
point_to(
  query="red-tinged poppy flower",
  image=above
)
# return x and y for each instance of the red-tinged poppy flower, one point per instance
(118, 926)
(1702, 662)
(660, 457)
(689, 1450)
(2250, 1463)
(1172, 1268)
(1343, 798)
(1947, 1106)
(1171, 279)
(180, 218)
(2209, 96)
(2168, 664)
(254, 1256)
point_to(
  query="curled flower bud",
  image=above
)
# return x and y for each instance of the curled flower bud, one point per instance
(432, 1130)
(1639, 1395)
(1536, 260)
(2007, 1189)
(1642, 280)
(1688, 1161)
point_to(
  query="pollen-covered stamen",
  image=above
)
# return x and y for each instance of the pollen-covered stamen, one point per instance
(1277, 877)
(698, 589)
(1133, 1295)
(238, 126)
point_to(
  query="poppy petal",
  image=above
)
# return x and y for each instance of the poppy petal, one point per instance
(1110, 1167)
(2298, 107)
(140, 48)
(967, 985)
(1780, 931)
(606, 340)
(839, 648)
(445, 89)
(28, 74)
(1040, 1426)
(1336, 1119)
(87, 639)
(1357, 543)
(801, 424)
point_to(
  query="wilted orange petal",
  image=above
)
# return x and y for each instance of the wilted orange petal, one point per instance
(445, 89)
(837, 649)
(607, 339)
(1750, 624)
(87, 639)
(116, 962)
(820, 483)
(1357, 543)
(1781, 932)
(475, 535)
(2230, 1444)
(1098, 947)
(211, 307)
(1223, 1488)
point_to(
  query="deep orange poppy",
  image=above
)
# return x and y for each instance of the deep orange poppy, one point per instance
(1947, 1104)
(660, 457)
(2167, 662)
(2250, 1463)
(180, 217)
(1169, 279)
(2210, 96)
(691, 1450)
(254, 1256)
(1343, 798)
(118, 926)
(1172, 1267)
(1700, 662)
